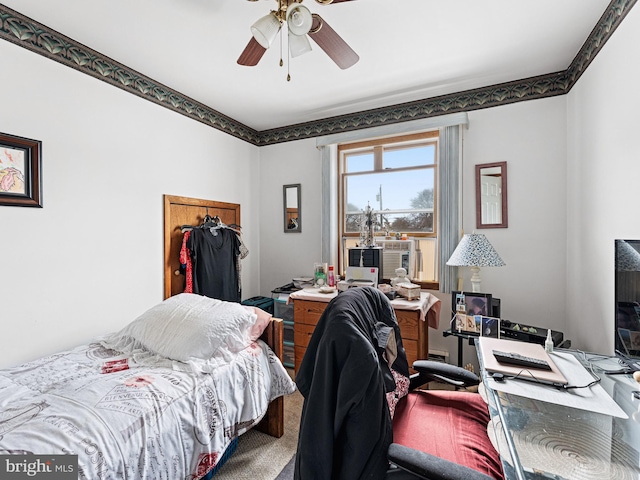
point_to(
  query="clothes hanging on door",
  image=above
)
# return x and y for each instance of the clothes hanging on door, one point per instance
(210, 256)
(185, 263)
(213, 258)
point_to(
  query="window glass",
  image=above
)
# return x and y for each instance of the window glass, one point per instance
(407, 197)
(411, 156)
(360, 162)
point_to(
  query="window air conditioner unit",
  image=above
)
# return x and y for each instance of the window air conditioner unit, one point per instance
(397, 254)
(393, 260)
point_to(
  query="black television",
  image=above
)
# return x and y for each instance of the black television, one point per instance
(627, 303)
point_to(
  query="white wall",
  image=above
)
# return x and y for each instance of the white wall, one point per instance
(602, 183)
(91, 260)
(284, 256)
(530, 137)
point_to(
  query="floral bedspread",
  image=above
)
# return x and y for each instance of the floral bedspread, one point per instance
(132, 419)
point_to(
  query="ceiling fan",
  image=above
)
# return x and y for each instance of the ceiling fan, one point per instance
(301, 24)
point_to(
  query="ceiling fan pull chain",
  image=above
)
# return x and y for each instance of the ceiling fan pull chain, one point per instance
(288, 65)
(281, 62)
(288, 54)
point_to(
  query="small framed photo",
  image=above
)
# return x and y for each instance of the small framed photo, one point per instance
(477, 323)
(20, 171)
(467, 323)
(461, 306)
(470, 325)
(490, 327)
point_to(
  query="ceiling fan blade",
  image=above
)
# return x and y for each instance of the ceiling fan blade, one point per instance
(327, 2)
(251, 54)
(333, 45)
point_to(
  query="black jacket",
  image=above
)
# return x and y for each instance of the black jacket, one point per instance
(345, 428)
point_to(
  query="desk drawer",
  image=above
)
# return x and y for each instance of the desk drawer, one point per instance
(302, 334)
(308, 312)
(408, 323)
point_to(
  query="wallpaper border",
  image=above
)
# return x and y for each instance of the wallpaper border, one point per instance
(25, 32)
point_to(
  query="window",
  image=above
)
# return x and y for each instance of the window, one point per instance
(397, 178)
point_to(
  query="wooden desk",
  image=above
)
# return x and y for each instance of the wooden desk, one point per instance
(412, 318)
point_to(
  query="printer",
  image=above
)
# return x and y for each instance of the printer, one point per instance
(359, 277)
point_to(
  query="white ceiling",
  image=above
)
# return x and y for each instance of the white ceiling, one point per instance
(409, 49)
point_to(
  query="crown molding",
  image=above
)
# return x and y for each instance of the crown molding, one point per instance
(25, 32)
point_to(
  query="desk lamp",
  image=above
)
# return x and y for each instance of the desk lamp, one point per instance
(475, 251)
(627, 258)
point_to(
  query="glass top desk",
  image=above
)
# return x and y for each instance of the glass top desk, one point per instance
(541, 440)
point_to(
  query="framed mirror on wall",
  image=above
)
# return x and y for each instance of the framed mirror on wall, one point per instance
(292, 208)
(491, 195)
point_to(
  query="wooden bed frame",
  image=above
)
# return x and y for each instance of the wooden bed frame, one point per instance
(179, 211)
(273, 422)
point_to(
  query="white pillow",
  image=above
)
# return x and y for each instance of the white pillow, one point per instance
(188, 326)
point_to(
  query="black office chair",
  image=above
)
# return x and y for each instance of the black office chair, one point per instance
(354, 377)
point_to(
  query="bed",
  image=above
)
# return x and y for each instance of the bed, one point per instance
(163, 398)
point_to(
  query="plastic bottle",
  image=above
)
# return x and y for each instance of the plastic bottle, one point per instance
(548, 343)
(331, 279)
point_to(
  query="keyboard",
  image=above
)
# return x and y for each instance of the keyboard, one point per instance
(510, 358)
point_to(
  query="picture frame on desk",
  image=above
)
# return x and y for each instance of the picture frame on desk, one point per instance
(460, 305)
(471, 324)
(463, 323)
(459, 322)
(490, 327)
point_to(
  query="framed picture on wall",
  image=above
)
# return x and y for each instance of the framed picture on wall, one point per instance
(20, 171)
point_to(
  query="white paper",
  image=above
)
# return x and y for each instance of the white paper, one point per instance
(593, 399)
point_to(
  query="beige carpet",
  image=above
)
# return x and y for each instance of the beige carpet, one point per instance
(261, 457)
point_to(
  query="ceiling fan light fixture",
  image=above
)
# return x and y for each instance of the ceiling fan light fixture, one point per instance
(266, 29)
(299, 19)
(298, 45)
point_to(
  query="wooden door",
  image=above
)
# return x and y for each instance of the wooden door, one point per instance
(491, 199)
(181, 211)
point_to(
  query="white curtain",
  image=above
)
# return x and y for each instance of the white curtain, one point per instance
(329, 218)
(450, 203)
